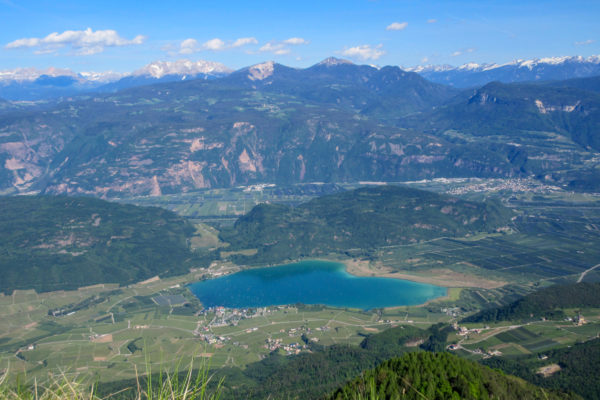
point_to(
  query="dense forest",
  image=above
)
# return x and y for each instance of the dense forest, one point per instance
(579, 368)
(358, 220)
(545, 303)
(425, 375)
(52, 243)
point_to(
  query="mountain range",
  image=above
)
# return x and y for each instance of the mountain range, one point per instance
(30, 84)
(544, 69)
(268, 123)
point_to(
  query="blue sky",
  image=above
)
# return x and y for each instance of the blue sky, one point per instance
(125, 35)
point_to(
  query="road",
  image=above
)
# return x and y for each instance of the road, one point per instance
(586, 271)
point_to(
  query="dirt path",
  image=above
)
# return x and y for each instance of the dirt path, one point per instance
(584, 273)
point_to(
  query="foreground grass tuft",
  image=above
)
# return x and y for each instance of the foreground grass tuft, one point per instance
(168, 386)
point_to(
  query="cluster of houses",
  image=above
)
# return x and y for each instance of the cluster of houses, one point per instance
(489, 185)
(463, 331)
(232, 316)
(577, 320)
(291, 348)
(451, 311)
(228, 316)
(213, 339)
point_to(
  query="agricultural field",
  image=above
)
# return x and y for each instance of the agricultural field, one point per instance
(108, 332)
(511, 339)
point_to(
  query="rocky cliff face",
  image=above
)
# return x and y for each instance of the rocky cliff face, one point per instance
(327, 123)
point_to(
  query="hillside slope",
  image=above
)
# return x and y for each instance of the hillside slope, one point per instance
(579, 365)
(332, 122)
(432, 376)
(545, 303)
(359, 220)
(52, 243)
(518, 111)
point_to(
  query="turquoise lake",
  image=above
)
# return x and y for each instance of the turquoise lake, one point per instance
(311, 282)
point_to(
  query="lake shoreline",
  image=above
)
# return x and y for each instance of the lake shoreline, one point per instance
(444, 277)
(314, 281)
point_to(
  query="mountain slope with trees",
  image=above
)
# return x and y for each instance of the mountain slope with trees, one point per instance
(359, 220)
(54, 243)
(425, 375)
(332, 122)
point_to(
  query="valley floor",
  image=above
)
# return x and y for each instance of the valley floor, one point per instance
(105, 332)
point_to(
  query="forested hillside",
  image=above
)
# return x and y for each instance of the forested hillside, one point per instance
(359, 220)
(579, 365)
(439, 376)
(52, 243)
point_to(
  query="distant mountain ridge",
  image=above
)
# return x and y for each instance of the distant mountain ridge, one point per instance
(168, 71)
(513, 109)
(36, 84)
(381, 91)
(544, 69)
(332, 122)
(288, 126)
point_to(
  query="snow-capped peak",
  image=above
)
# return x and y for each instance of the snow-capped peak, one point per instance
(470, 67)
(31, 74)
(429, 68)
(158, 69)
(529, 64)
(102, 77)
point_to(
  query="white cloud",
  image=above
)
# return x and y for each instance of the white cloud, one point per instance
(244, 41)
(275, 48)
(397, 26)
(189, 46)
(295, 41)
(425, 60)
(364, 52)
(85, 42)
(585, 42)
(461, 52)
(432, 21)
(281, 48)
(215, 44)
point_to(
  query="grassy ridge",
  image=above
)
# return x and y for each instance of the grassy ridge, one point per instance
(53, 243)
(358, 221)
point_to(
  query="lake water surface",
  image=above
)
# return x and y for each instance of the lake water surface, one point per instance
(311, 282)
